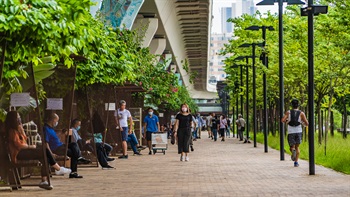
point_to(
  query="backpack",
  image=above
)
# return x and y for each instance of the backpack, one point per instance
(294, 117)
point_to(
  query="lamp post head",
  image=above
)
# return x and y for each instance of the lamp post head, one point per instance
(248, 45)
(289, 2)
(239, 58)
(266, 2)
(253, 28)
(245, 45)
(295, 2)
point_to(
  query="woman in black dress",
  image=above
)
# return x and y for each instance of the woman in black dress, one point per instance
(182, 130)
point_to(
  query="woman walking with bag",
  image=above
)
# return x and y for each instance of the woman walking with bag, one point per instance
(182, 130)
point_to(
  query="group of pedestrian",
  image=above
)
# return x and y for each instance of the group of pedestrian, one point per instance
(184, 126)
(218, 125)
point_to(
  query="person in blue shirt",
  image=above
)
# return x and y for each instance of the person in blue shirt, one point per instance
(56, 147)
(151, 125)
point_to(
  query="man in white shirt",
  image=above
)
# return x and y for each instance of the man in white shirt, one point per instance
(209, 124)
(122, 116)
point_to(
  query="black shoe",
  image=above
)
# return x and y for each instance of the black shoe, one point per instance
(141, 147)
(245, 141)
(240, 140)
(82, 160)
(150, 152)
(75, 175)
(107, 167)
(137, 153)
(110, 159)
(123, 157)
(248, 141)
(192, 149)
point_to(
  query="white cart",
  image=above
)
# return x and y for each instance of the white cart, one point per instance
(159, 142)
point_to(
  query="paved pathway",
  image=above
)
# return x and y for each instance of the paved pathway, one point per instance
(215, 169)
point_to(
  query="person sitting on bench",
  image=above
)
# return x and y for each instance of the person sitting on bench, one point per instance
(102, 149)
(58, 148)
(20, 150)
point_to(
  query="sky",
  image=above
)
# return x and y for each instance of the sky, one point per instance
(218, 4)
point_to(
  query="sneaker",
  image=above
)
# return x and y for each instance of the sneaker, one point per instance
(296, 164)
(123, 157)
(181, 158)
(45, 185)
(192, 149)
(63, 171)
(137, 153)
(294, 155)
(150, 152)
(186, 158)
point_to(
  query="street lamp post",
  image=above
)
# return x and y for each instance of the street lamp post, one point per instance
(310, 11)
(254, 85)
(265, 62)
(281, 72)
(247, 91)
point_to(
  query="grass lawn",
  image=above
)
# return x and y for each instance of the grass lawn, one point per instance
(338, 151)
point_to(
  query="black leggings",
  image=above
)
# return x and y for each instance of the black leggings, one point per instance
(183, 139)
(36, 154)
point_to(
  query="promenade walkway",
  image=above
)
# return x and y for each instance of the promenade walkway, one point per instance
(227, 168)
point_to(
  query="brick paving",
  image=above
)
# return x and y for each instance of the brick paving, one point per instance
(227, 168)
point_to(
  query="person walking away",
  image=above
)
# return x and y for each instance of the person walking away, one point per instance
(209, 125)
(122, 115)
(228, 128)
(151, 125)
(214, 127)
(199, 125)
(295, 118)
(194, 128)
(240, 122)
(223, 125)
(182, 131)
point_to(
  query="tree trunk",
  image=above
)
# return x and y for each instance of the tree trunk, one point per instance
(2, 61)
(322, 123)
(332, 123)
(319, 121)
(327, 117)
(345, 119)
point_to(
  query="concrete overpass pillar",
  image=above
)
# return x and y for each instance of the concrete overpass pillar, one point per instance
(147, 28)
(157, 46)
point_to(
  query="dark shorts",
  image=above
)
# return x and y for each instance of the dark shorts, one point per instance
(222, 132)
(125, 133)
(295, 138)
(149, 136)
